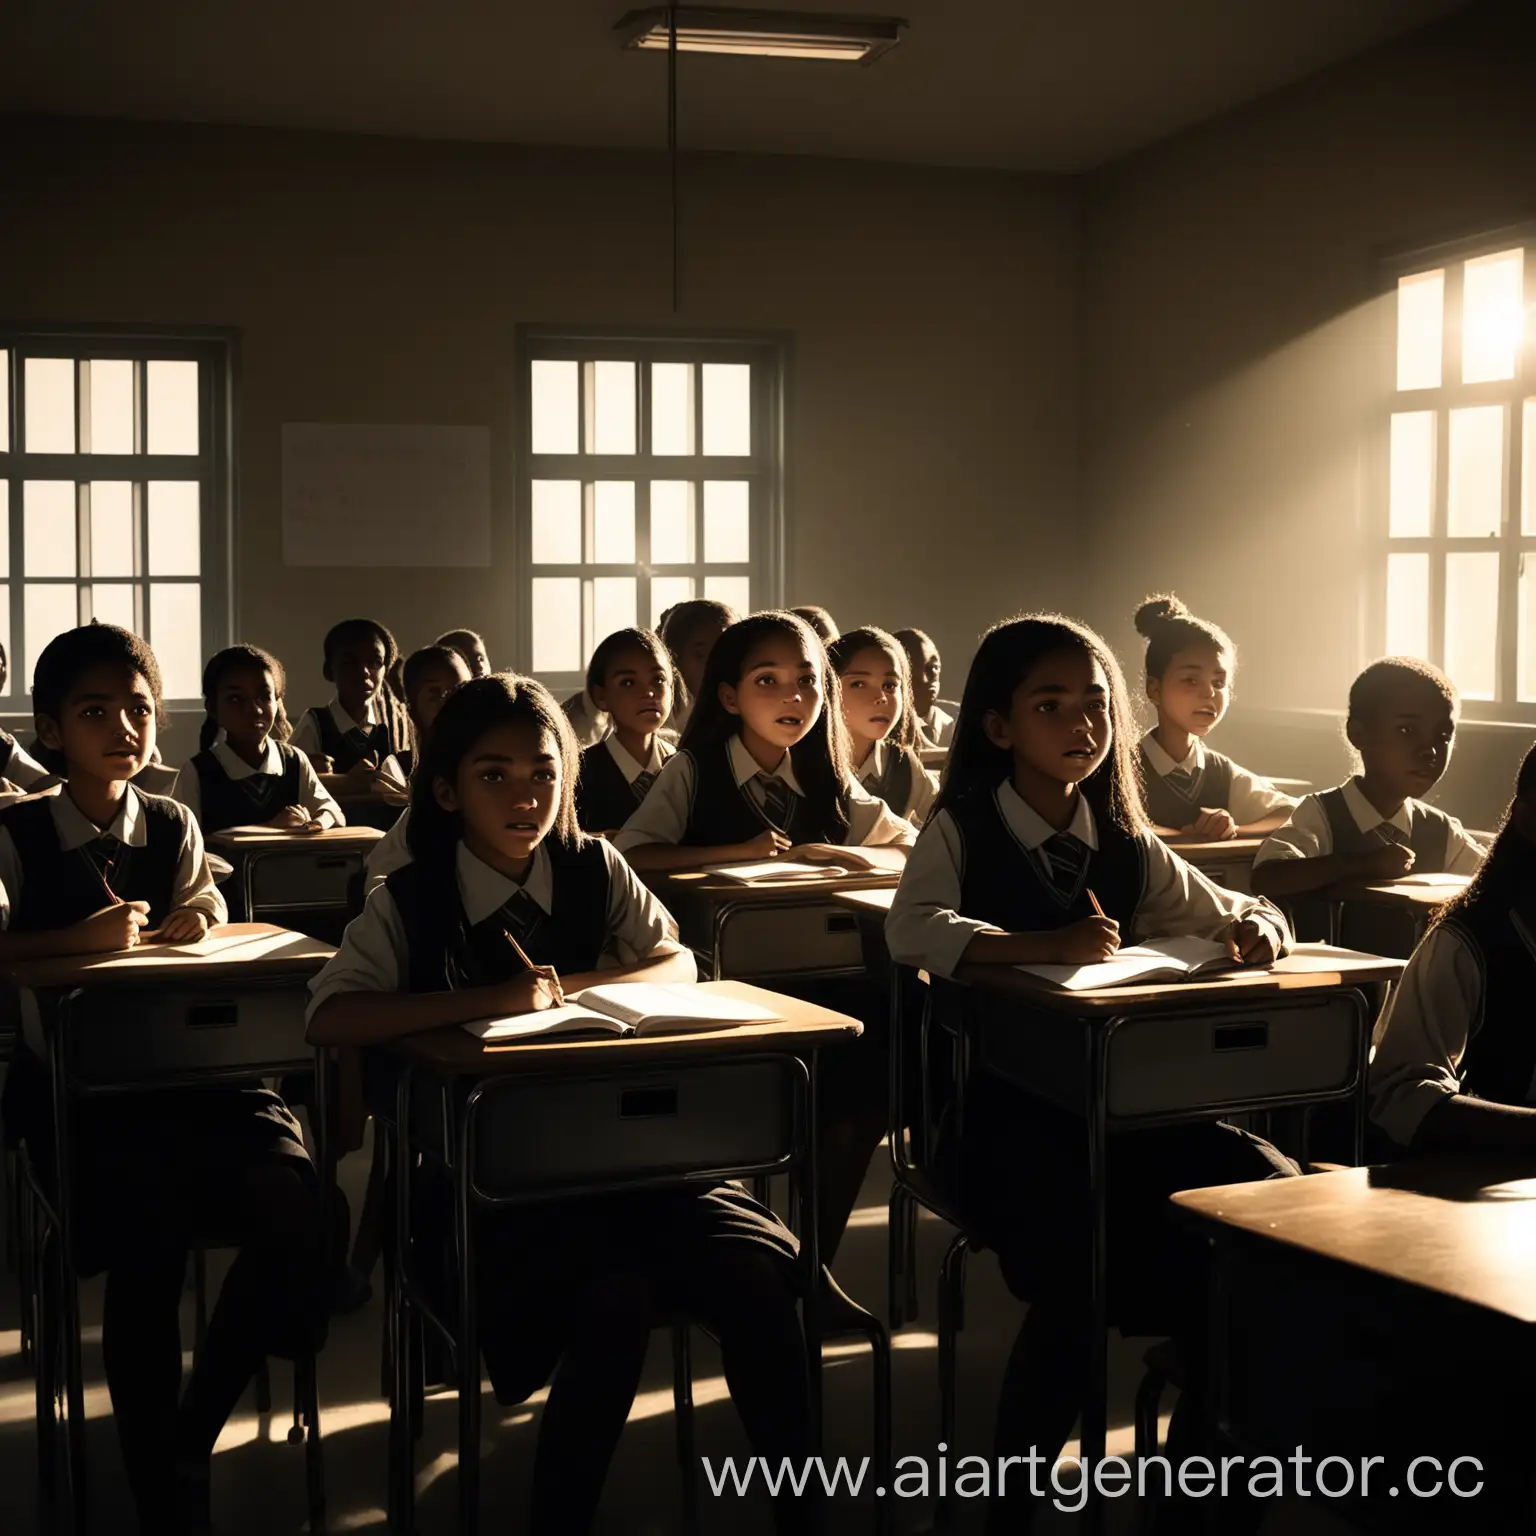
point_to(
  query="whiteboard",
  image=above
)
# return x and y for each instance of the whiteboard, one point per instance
(386, 495)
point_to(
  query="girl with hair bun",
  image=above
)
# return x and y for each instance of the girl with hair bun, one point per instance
(1191, 790)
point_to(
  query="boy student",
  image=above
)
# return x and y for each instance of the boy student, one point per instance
(935, 724)
(351, 739)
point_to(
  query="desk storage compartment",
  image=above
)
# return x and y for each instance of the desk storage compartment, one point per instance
(292, 880)
(1270, 1049)
(533, 1135)
(787, 941)
(144, 1035)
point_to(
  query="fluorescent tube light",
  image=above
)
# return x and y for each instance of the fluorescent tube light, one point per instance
(762, 34)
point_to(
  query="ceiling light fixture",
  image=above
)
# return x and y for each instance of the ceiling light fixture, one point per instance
(761, 34)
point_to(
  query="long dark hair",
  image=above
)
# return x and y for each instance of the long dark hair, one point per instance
(229, 660)
(820, 757)
(472, 709)
(1008, 653)
(870, 638)
(1510, 864)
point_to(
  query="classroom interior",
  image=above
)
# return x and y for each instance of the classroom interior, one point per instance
(1071, 304)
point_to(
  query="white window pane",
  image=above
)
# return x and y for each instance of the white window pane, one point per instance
(734, 591)
(1472, 623)
(668, 592)
(176, 633)
(13, 678)
(611, 407)
(111, 401)
(112, 603)
(5, 402)
(1420, 329)
(1475, 499)
(175, 533)
(672, 522)
(50, 426)
(1408, 605)
(671, 407)
(557, 522)
(5, 529)
(48, 527)
(111, 528)
(1528, 467)
(613, 607)
(613, 523)
(171, 420)
(727, 408)
(1413, 474)
(555, 413)
(727, 525)
(1526, 677)
(1492, 316)
(49, 610)
(556, 623)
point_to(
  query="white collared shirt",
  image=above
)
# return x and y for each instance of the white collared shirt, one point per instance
(1308, 835)
(24, 770)
(662, 817)
(194, 889)
(313, 795)
(374, 954)
(1252, 798)
(937, 726)
(306, 735)
(925, 783)
(390, 853)
(626, 764)
(927, 929)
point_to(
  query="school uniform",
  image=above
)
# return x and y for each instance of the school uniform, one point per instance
(222, 790)
(1176, 793)
(17, 764)
(578, 909)
(331, 732)
(612, 784)
(589, 722)
(896, 775)
(388, 854)
(937, 727)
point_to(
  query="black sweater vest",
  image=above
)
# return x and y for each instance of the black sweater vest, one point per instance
(1500, 1059)
(722, 812)
(1429, 835)
(1002, 882)
(605, 799)
(894, 784)
(227, 802)
(1170, 806)
(384, 738)
(442, 942)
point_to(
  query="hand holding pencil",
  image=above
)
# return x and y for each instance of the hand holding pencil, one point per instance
(1089, 939)
(540, 983)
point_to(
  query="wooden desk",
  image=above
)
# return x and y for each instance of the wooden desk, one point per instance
(378, 811)
(1390, 916)
(296, 872)
(521, 1122)
(1227, 861)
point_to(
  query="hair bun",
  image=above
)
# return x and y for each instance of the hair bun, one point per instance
(1161, 608)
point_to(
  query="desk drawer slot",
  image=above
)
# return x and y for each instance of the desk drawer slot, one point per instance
(1252, 1036)
(213, 1015)
(647, 1103)
(784, 941)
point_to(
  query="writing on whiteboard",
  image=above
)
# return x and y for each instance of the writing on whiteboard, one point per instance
(386, 495)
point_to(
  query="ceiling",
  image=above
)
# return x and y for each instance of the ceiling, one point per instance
(1047, 85)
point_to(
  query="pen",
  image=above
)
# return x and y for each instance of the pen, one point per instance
(1099, 911)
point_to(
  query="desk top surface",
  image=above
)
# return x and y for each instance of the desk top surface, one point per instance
(802, 1026)
(1227, 850)
(704, 884)
(247, 839)
(1309, 968)
(1414, 894)
(1464, 1228)
(237, 949)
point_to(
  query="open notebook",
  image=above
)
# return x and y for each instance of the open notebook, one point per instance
(1185, 959)
(627, 1008)
(771, 870)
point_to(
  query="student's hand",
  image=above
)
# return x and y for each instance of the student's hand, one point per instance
(768, 844)
(362, 777)
(531, 992)
(1388, 862)
(292, 818)
(185, 926)
(1086, 941)
(830, 853)
(321, 763)
(1213, 825)
(1250, 943)
(114, 927)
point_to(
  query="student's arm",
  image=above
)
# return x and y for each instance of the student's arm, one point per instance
(1256, 805)
(1177, 900)
(316, 798)
(657, 858)
(1464, 855)
(652, 838)
(197, 904)
(1264, 825)
(189, 790)
(113, 928)
(1286, 876)
(1464, 1124)
(677, 966)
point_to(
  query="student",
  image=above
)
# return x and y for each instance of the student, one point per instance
(820, 621)
(99, 867)
(470, 646)
(1454, 1066)
(630, 679)
(935, 724)
(1374, 826)
(244, 772)
(690, 630)
(1040, 814)
(763, 773)
(350, 739)
(577, 1283)
(876, 685)
(17, 765)
(1189, 788)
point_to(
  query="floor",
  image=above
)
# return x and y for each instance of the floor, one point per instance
(258, 1478)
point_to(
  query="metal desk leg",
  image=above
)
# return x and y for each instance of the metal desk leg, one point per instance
(76, 1497)
(402, 1481)
(468, 1351)
(1095, 1403)
(811, 1252)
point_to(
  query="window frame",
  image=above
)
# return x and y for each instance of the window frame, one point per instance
(1510, 544)
(765, 465)
(215, 350)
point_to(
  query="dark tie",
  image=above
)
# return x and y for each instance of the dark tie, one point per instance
(776, 801)
(362, 742)
(1392, 836)
(520, 917)
(641, 784)
(105, 854)
(1068, 858)
(1181, 779)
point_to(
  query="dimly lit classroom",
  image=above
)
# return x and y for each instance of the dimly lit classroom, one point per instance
(768, 770)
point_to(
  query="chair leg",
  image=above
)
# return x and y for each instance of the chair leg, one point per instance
(682, 1414)
(9, 1187)
(909, 1237)
(28, 1280)
(46, 1377)
(898, 1257)
(263, 1380)
(951, 1320)
(880, 1383)
(306, 1403)
(199, 1303)
(1149, 1396)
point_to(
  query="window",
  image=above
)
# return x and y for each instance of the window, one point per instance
(1459, 455)
(650, 474)
(114, 497)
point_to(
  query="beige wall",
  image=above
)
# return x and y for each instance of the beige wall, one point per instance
(1232, 354)
(931, 313)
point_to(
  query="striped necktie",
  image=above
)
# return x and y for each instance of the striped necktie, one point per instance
(641, 784)
(108, 856)
(1182, 780)
(777, 796)
(1391, 835)
(520, 916)
(1067, 857)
